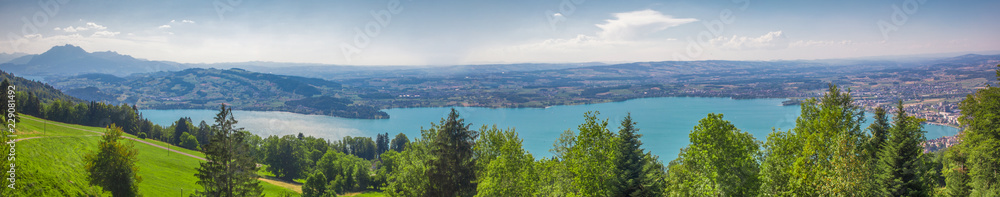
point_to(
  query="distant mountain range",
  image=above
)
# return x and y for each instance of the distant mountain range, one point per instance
(69, 60)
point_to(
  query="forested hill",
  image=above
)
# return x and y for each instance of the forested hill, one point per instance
(199, 88)
(44, 92)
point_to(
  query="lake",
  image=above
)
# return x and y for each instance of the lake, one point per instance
(664, 122)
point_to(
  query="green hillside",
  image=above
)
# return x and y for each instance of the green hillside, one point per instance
(50, 163)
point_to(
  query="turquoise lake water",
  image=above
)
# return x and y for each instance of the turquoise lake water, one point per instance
(664, 122)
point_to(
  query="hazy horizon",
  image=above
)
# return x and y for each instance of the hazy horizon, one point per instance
(399, 33)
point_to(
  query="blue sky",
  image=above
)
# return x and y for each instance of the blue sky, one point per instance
(425, 32)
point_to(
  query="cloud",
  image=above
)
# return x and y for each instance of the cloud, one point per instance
(822, 43)
(164, 26)
(630, 25)
(104, 34)
(182, 21)
(88, 26)
(771, 40)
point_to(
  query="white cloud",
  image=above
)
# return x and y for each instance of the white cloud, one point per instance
(104, 34)
(771, 40)
(187, 21)
(164, 26)
(630, 25)
(95, 26)
(88, 26)
(823, 43)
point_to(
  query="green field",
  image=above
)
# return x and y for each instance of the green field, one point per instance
(51, 165)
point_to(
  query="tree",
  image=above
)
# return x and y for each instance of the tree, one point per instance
(981, 139)
(381, 143)
(189, 141)
(880, 132)
(824, 154)
(956, 172)
(636, 170)
(112, 166)
(285, 156)
(204, 131)
(180, 127)
(408, 175)
(721, 160)
(503, 167)
(315, 185)
(348, 173)
(900, 162)
(554, 176)
(592, 156)
(399, 142)
(451, 170)
(229, 170)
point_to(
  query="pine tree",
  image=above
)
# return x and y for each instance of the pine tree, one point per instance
(180, 127)
(880, 132)
(113, 166)
(381, 144)
(902, 168)
(229, 170)
(633, 166)
(452, 169)
(956, 172)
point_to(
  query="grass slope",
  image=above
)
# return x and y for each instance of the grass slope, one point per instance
(51, 165)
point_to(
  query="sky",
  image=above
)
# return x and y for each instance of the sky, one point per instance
(426, 32)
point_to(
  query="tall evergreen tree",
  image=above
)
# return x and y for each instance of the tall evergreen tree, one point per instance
(112, 166)
(381, 144)
(633, 166)
(230, 169)
(956, 172)
(902, 168)
(880, 132)
(180, 127)
(452, 168)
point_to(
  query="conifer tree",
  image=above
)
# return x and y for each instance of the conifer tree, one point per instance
(230, 169)
(452, 168)
(902, 168)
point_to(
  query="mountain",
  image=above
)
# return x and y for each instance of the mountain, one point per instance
(199, 88)
(68, 60)
(6, 57)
